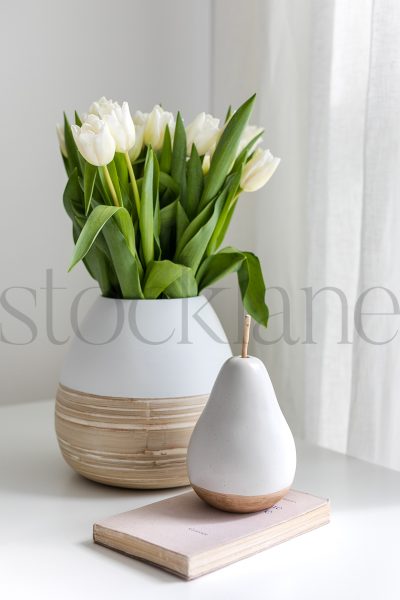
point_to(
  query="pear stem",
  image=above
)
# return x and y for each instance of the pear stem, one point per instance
(246, 335)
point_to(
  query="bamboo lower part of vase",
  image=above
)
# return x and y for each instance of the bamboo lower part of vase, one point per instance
(127, 442)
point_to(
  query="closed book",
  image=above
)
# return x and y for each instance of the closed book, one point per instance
(184, 535)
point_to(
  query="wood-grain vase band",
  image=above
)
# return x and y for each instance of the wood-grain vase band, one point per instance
(127, 442)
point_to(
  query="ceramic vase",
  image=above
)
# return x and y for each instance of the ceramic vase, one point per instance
(135, 380)
(242, 456)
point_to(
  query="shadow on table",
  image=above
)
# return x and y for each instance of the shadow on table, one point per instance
(350, 483)
(42, 473)
(31, 462)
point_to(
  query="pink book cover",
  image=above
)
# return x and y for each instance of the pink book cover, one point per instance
(186, 526)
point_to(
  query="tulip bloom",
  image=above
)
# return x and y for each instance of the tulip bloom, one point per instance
(139, 121)
(99, 107)
(94, 141)
(119, 121)
(156, 123)
(250, 132)
(203, 132)
(258, 170)
(61, 140)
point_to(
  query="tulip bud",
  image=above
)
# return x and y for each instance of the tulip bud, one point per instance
(154, 131)
(250, 132)
(100, 107)
(203, 132)
(119, 121)
(258, 170)
(94, 141)
(61, 139)
(139, 121)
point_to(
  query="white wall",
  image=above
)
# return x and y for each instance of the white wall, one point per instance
(57, 55)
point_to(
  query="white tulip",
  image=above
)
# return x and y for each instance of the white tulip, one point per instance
(94, 141)
(203, 132)
(154, 131)
(101, 106)
(250, 132)
(139, 121)
(119, 121)
(258, 170)
(61, 139)
(122, 129)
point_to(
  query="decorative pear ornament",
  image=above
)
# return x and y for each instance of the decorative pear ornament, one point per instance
(241, 456)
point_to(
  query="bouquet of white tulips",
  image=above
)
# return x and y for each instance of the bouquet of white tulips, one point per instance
(151, 201)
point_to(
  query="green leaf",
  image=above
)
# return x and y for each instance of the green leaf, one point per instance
(225, 152)
(97, 265)
(232, 186)
(124, 184)
(228, 114)
(250, 277)
(225, 226)
(156, 178)
(156, 205)
(193, 227)
(73, 199)
(72, 150)
(203, 217)
(217, 266)
(95, 223)
(88, 183)
(195, 181)
(194, 250)
(112, 169)
(125, 264)
(167, 229)
(78, 120)
(159, 276)
(252, 288)
(183, 287)
(102, 187)
(178, 163)
(182, 220)
(146, 221)
(168, 182)
(121, 168)
(166, 152)
(125, 225)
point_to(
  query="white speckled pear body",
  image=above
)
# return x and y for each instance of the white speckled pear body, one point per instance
(242, 444)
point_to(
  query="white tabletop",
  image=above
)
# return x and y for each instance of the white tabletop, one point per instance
(47, 511)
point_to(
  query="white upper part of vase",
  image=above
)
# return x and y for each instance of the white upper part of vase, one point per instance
(147, 349)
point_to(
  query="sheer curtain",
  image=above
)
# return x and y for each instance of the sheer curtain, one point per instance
(328, 228)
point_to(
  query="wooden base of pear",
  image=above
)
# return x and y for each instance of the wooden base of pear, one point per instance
(127, 442)
(239, 504)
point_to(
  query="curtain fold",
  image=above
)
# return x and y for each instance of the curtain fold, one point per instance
(374, 416)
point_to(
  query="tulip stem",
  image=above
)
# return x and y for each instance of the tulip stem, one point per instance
(133, 183)
(111, 186)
